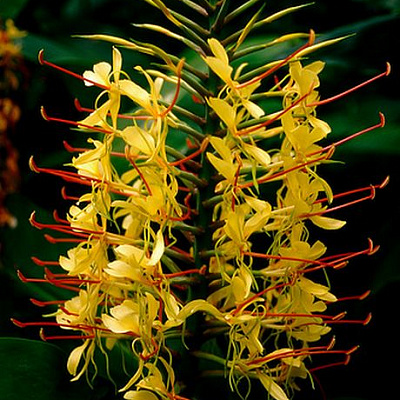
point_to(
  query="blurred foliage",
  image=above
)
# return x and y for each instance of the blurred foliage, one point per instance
(40, 367)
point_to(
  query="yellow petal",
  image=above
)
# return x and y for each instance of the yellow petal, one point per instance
(117, 63)
(139, 139)
(99, 74)
(254, 110)
(274, 390)
(226, 169)
(224, 111)
(218, 50)
(158, 249)
(327, 223)
(234, 226)
(135, 93)
(75, 356)
(259, 155)
(224, 71)
(221, 148)
(140, 395)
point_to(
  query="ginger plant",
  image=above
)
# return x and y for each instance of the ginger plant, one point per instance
(212, 244)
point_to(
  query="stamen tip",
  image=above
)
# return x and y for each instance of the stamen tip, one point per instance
(42, 335)
(21, 276)
(382, 118)
(331, 344)
(40, 57)
(388, 68)
(365, 295)
(17, 323)
(368, 319)
(77, 105)
(49, 238)
(43, 113)
(353, 349)
(311, 39)
(32, 219)
(32, 165)
(385, 182)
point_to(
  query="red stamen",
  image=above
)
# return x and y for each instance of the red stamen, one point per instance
(54, 240)
(235, 181)
(340, 258)
(307, 351)
(40, 303)
(42, 61)
(334, 364)
(191, 156)
(74, 177)
(274, 257)
(79, 232)
(42, 263)
(67, 197)
(188, 213)
(381, 124)
(279, 65)
(153, 353)
(358, 190)
(182, 252)
(57, 280)
(74, 123)
(191, 145)
(178, 85)
(356, 297)
(246, 131)
(350, 203)
(353, 89)
(324, 317)
(24, 279)
(132, 161)
(245, 303)
(365, 321)
(58, 219)
(284, 172)
(67, 279)
(186, 272)
(45, 338)
(121, 116)
(344, 362)
(72, 149)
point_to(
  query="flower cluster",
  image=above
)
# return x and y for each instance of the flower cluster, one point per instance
(213, 240)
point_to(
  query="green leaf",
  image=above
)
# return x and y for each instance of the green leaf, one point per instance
(21, 243)
(33, 370)
(11, 9)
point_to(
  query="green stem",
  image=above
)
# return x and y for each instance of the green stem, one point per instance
(210, 357)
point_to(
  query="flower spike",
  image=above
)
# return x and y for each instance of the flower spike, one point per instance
(202, 218)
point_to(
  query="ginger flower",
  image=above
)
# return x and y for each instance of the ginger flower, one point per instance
(211, 250)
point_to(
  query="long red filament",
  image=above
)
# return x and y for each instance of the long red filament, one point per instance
(353, 89)
(285, 171)
(279, 65)
(42, 61)
(246, 131)
(381, 124)
(74, 123)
